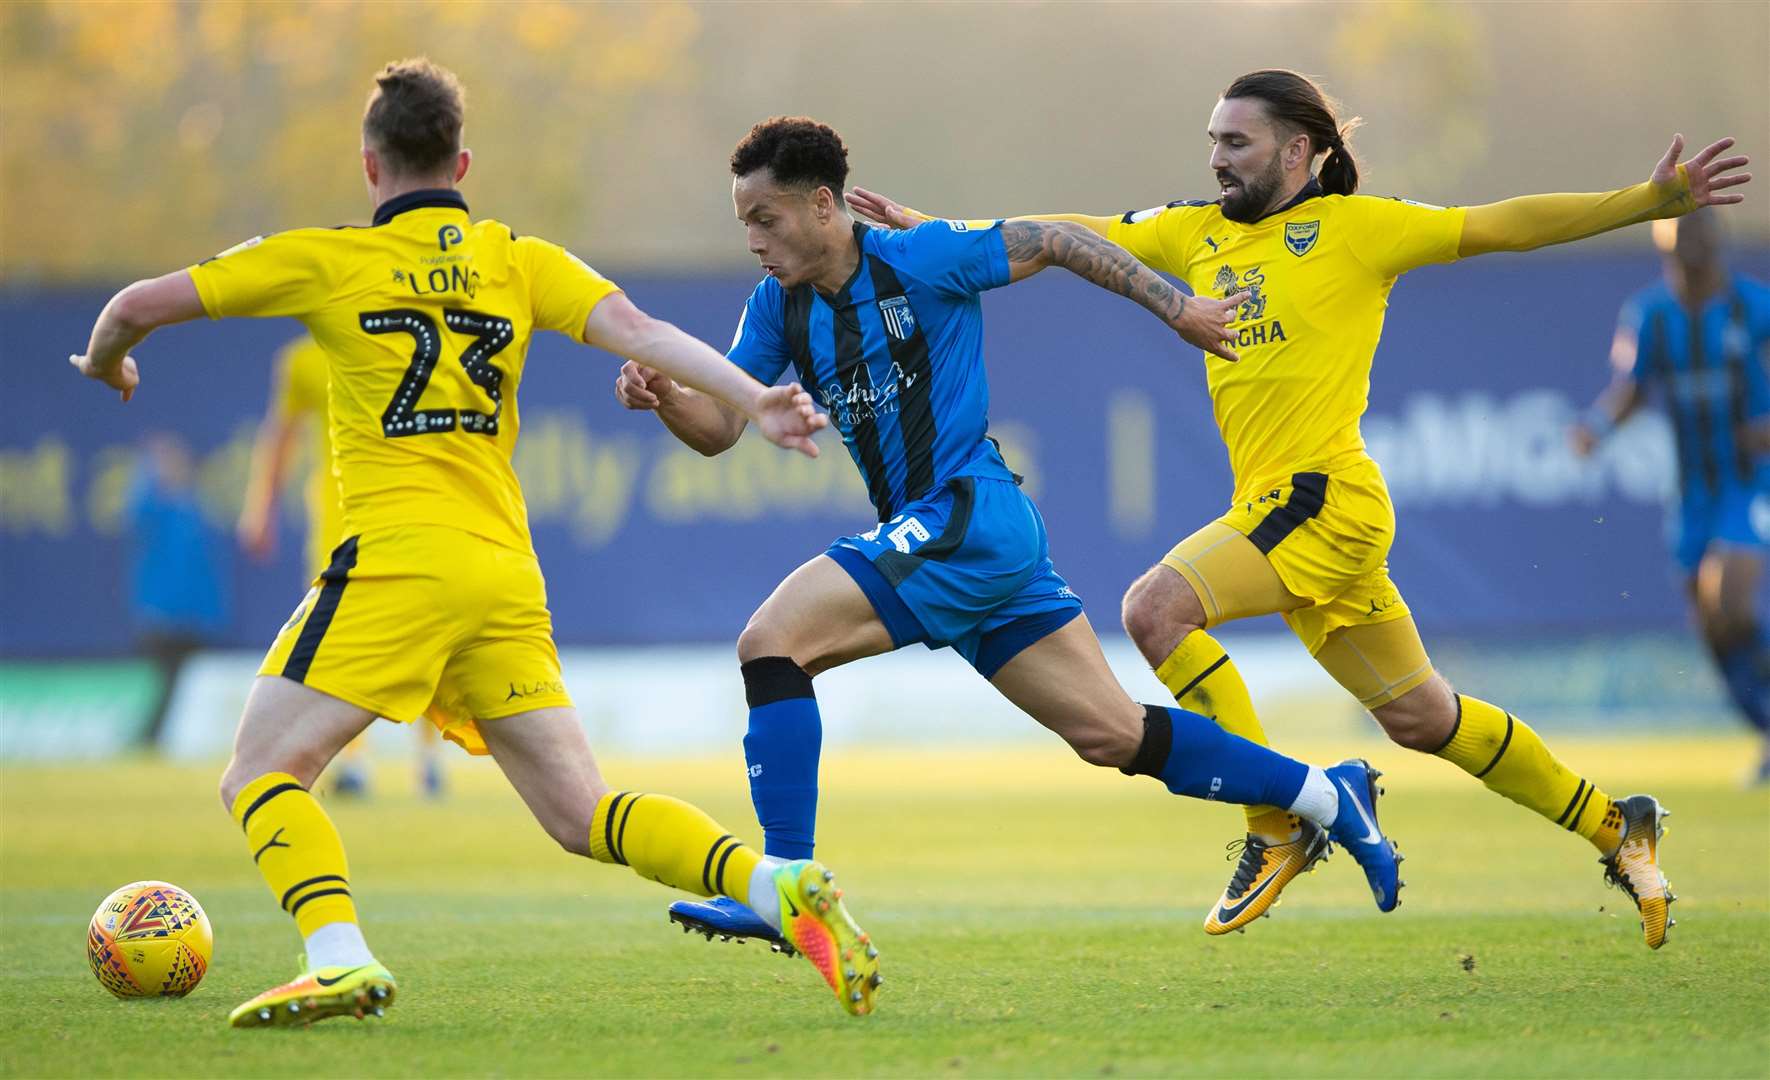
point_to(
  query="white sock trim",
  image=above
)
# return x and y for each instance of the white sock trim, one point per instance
(1318, 801)
(338, 944)
(764, 899)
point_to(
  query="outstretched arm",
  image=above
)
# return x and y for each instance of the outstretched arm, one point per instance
(702, 422)
(784, 414)
(1619, 401)
(881, 210)
(127, 320)
(1200, 320)
(1533, 221)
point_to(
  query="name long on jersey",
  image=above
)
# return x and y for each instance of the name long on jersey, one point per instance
(425, 319)
(895, 356)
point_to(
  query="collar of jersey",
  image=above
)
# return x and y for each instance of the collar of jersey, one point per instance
(417, 200)
(1311, 190)
(841, 298)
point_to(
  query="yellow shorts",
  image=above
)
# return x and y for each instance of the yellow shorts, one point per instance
(1327, 536)
(426, 620)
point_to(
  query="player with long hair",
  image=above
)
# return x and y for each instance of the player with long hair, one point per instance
(888, 329)
(1309, 525)
(434, 604)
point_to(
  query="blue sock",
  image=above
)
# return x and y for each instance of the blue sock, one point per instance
(781, 748)
(1193, 756)
(1742, 671)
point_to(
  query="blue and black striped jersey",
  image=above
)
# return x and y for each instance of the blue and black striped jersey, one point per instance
(1713, 372)
(895, 357)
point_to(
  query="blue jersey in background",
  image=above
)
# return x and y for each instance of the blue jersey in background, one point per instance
(1711, 369)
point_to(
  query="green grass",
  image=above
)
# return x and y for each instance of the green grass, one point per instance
(1037, 918)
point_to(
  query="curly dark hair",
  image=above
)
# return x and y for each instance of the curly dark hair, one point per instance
(797, 150)
(413, 118)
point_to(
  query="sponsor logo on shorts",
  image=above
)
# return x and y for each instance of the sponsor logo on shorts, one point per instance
(301, 609)
(531, 689)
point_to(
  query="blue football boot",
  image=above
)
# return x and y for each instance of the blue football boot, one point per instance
(730, 920)
(1355, 829)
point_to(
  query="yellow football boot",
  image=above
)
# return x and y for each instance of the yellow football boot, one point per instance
(364, 990)
(816, 923)
(1634, 867)
(1263, 872)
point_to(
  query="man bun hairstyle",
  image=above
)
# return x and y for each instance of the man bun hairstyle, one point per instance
(1296, 102)
(413, 118)
(797, 151)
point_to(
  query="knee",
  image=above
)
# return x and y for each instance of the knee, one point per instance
(1729, 628)
(574, 840)
(304, 767)
(1156, 627)
(1422, 719)
(569, 829)
(231, 785)
(569, 819)
(236, 777)
(759, 638)
(1110, 746)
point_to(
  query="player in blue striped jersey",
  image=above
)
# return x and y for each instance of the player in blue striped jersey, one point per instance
(886, 331)
(1700, 342)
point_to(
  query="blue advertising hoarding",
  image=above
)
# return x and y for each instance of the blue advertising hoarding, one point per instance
(1482, 367)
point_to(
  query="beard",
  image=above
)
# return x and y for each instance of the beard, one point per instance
(1249, 199)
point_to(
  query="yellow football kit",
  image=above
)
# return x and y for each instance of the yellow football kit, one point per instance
(1309, 500)
(434, 601)
(300, 397)
(1318, 274)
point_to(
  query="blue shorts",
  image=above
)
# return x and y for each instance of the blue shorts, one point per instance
(1737, 517)
(968, 567)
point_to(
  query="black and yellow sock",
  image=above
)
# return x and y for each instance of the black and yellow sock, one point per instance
(670, 841)
(1503, 752)
(297, 849)
(1203, 679)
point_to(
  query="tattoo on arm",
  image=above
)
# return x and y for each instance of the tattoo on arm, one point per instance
(1088, 255)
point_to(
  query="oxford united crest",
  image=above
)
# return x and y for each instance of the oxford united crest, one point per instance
(1300, 236)
(900, 321)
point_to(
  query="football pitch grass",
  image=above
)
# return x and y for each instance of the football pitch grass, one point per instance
(1036, 916)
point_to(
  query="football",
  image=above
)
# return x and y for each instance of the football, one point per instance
(149, 939)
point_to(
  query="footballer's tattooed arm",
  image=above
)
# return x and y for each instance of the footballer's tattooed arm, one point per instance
(1200, 320)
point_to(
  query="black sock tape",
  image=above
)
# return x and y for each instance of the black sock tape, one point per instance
(1158, 743)
(768, 679)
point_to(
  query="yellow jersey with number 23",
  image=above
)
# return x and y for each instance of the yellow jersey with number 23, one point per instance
(425, 317)
(1318, 272)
